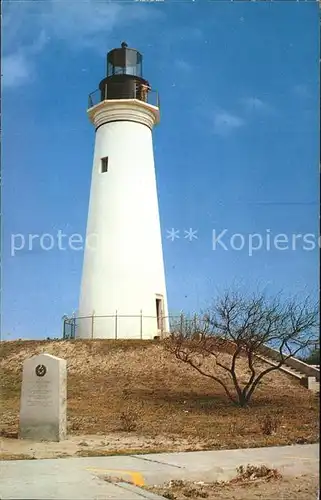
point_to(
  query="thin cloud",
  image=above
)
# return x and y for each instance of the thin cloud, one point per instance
(83, 24)
(255, 104)
(18, 66)
(225, 123)
(27, 28)
(183, 65)
(16, 70)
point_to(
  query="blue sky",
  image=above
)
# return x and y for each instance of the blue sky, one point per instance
(237, 147)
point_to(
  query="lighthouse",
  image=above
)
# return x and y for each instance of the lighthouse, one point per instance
(123, 290)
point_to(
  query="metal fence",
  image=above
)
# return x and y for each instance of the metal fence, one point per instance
(135, 92)
(116, 326)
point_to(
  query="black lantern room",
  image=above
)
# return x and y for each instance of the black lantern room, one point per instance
(124, 78)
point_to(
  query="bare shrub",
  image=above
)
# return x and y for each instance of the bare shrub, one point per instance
(129, 418)
(270, 425)
(243, 327)
(254, 473)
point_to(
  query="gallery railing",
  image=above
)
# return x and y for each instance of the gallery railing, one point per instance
(119, 91)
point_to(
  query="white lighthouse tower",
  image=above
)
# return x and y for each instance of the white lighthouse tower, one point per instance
(123, 291)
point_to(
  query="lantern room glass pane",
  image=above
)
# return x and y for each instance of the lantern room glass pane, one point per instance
(124, 62)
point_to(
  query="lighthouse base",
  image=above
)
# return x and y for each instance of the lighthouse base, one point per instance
(118, 327)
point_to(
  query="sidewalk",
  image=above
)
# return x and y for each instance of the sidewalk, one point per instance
(64, 479)
(83, 478)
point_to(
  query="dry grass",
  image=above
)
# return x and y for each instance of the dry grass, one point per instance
(122, 452)
(14, 456)
(251, 484)
(169, 399)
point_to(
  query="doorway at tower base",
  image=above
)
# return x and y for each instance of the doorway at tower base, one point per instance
(117, 327)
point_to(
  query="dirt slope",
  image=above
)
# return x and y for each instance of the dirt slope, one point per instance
(113, 386)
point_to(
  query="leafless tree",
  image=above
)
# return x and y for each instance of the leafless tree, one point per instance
(243, 327)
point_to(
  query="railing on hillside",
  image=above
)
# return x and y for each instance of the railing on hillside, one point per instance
(134, 92)
(115, 323)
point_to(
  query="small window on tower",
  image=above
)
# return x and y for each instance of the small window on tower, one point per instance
(104, 164)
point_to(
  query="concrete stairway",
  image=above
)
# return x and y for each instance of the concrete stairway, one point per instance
(308, 375)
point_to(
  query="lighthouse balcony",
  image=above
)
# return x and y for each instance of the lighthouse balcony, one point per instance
(124, 91)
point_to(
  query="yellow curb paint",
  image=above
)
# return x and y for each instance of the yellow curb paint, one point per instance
(136, 477)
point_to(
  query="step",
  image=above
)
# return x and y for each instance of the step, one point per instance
(312, 384)
(284, 368)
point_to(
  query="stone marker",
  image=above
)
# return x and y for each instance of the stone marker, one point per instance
(43, 406)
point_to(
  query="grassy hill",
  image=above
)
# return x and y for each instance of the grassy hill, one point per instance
(138, 388)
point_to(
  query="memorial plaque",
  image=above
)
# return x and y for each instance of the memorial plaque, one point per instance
(43, 406)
